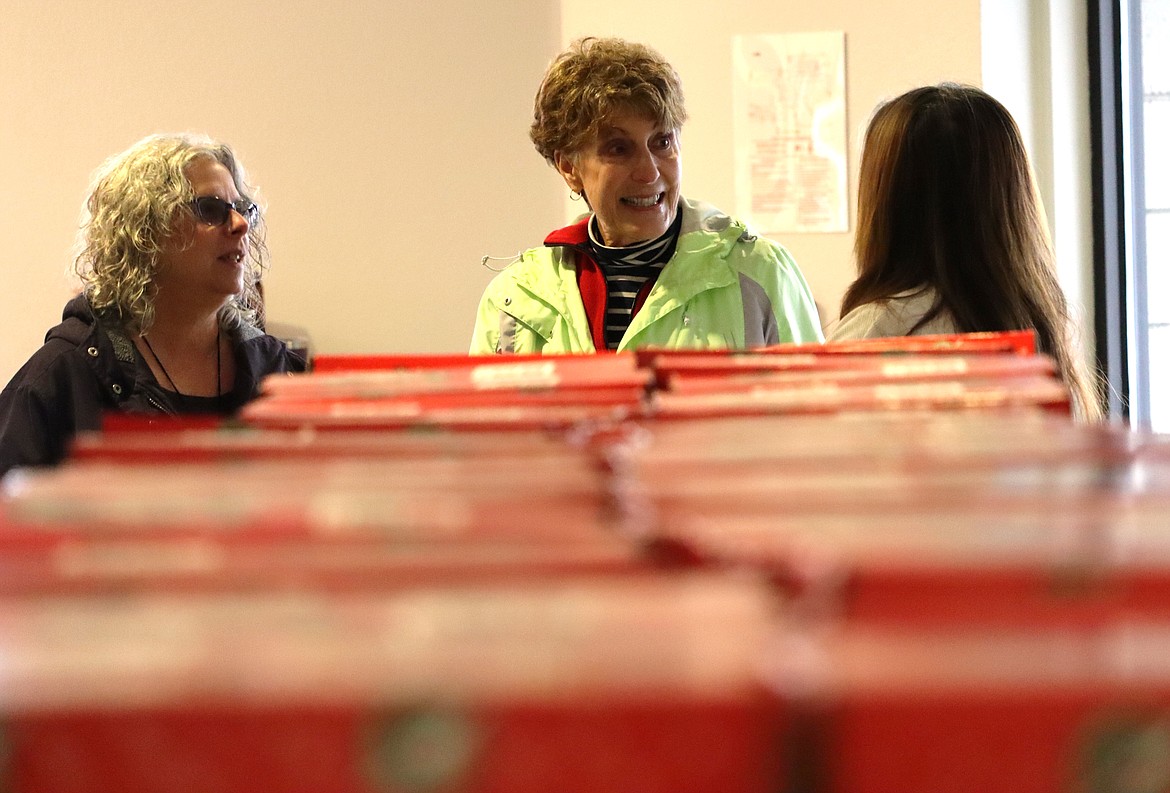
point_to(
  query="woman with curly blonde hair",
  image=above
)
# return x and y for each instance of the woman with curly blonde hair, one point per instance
(645, 266)
(171, 251)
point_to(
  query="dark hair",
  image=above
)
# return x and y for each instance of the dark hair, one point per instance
(946, 200)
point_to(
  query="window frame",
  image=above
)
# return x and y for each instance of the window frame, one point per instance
(1121, 298)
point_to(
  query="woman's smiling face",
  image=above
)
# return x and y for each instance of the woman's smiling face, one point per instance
(629, 173)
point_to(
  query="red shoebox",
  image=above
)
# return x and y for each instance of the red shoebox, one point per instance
(157, 442)
(1035, 392)
(465, 375)
(998, 567)
(1030, 710)
(413, 361)
(325, 521)
(885, 470)
(609, 685)
(964, 371)
(1020, 342)
(922, 522)
(559, 410)
(253, 558)
(782, 444)
(1017, 342)
(454, 392)
(703, 374)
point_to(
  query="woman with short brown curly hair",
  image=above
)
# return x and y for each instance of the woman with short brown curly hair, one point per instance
(644, 266)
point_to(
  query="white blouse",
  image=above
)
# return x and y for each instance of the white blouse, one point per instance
(893, 317)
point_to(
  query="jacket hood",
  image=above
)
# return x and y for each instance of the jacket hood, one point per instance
(77, 322)
(701, 216)
(78, 319)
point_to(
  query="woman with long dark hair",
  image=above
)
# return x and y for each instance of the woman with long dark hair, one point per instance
(951, 232)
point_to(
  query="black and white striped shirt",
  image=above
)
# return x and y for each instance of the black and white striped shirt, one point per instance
(627, 270)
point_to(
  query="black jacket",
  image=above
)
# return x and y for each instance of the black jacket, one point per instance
(87, 368)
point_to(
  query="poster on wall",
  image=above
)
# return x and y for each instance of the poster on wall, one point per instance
(791, 170)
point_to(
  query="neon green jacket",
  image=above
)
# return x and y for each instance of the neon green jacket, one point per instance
(723, 288)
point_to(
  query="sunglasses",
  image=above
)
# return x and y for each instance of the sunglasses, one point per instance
(214, 211)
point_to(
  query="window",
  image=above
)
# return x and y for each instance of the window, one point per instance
(1151, 204)
(1130, 90)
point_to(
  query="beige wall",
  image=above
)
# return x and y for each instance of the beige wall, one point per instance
(389, 139)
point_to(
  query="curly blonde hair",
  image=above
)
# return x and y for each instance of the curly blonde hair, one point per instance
(592, 79)
(135, 199)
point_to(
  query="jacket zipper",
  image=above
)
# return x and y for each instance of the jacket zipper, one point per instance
(162, 408)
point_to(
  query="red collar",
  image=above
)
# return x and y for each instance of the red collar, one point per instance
(590, 279)
(575, 235)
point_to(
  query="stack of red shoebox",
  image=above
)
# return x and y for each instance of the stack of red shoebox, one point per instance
(890, 565)
(973, 371)
(238, 608)
(456, 392)
(974, 601)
